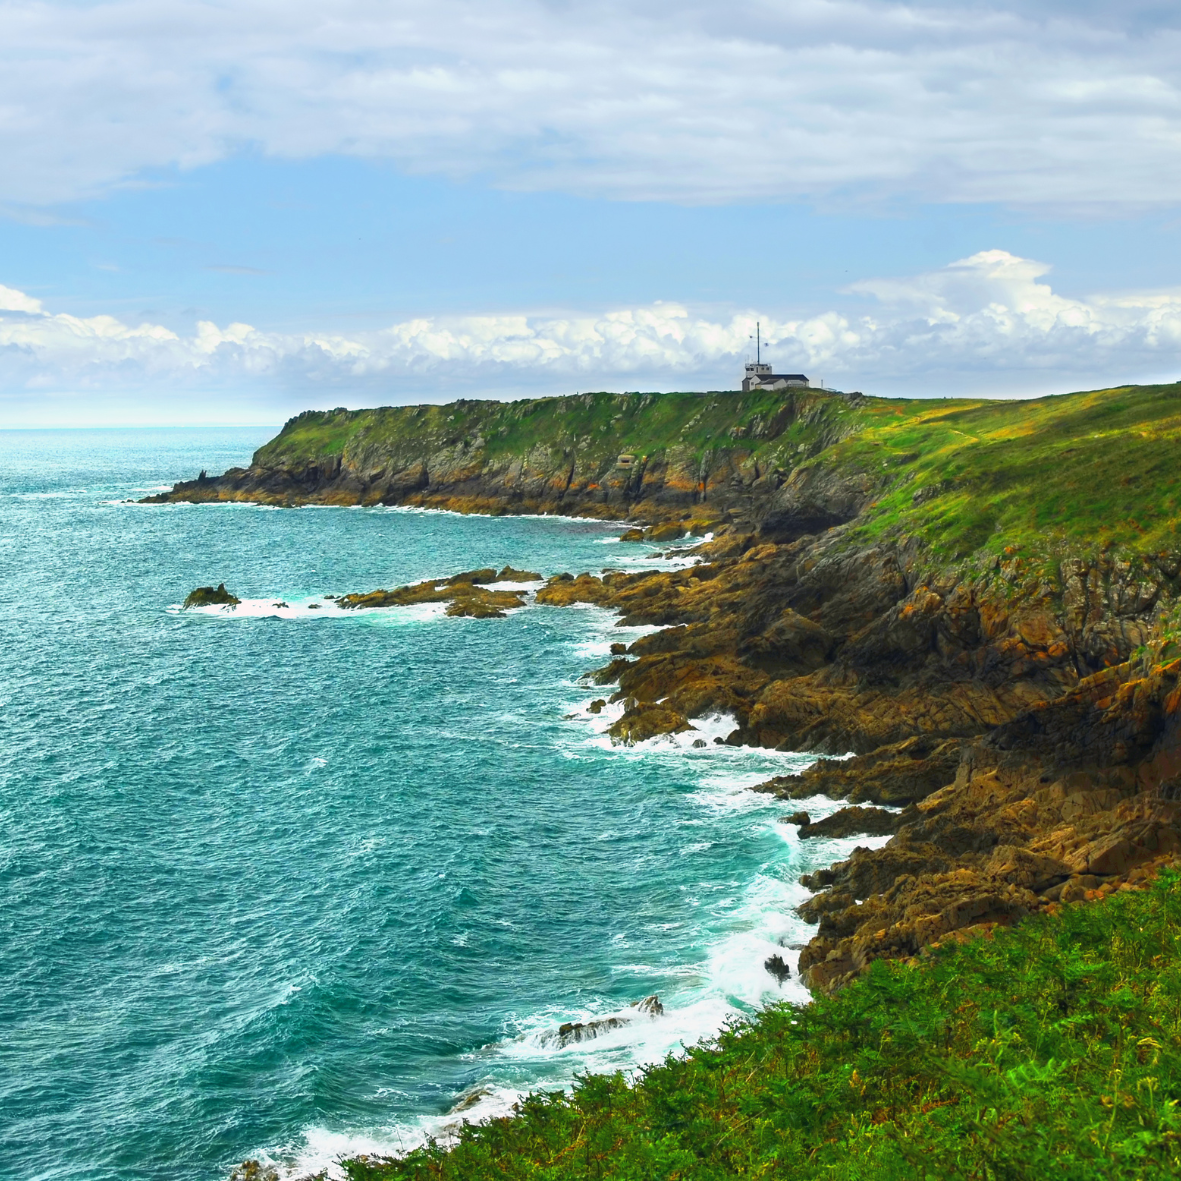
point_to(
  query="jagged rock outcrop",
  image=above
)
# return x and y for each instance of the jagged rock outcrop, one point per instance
(848, 822)
(1072, 799)
(465, 594)
(210, 596)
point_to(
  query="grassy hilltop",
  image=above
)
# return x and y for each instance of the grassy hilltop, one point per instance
(1076, 471)
(1086, 470)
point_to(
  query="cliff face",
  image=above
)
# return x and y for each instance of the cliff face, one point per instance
(979, 600)
(646, 457)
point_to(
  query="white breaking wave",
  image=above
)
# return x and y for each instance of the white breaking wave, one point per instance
(747, 924)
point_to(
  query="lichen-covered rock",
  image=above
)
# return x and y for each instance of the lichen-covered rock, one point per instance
(511, 574)
(211, 596)
(564, 590)
(464, 593)
(900, 773)
(1063, 804)
(643, 721)
(851, 822)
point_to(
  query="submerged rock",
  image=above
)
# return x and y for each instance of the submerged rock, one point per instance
(211, 596)
(572, 1032)
(778, 967)
(470, 1098)
(583, 1031)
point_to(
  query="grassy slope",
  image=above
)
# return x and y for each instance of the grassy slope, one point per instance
(600, 424)
(1049, 1050)
(1078, 471)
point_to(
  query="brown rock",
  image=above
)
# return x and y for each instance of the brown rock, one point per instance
(851, 822)
(668, 531)
(645, 721)
(511, 574)
(210, 596)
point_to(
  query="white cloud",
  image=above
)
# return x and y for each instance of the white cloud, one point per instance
(12, 300)
(988, 321)
(992, 101)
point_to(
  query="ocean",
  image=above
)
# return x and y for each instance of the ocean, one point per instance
(291, 882)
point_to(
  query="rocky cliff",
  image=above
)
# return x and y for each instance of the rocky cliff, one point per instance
(978, 600)
(647, 457)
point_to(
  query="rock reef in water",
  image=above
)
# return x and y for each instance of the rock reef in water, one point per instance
(210, 596)
(465, 594)
(572, 1032)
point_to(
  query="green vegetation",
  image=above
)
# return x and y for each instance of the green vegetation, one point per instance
(1049, 1050)
(970, 478)
(1077, 472)
(599, 425)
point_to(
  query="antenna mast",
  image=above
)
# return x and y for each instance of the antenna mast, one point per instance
(758, 344)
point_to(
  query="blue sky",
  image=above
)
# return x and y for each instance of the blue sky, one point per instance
(227, 215)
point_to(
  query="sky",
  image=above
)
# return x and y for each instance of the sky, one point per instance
(227, 213)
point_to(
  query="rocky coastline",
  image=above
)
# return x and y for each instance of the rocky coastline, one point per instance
(1013, 708)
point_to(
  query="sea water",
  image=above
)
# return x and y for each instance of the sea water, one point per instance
(290, 882)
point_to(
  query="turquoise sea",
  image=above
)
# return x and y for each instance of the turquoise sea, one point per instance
(288, 883)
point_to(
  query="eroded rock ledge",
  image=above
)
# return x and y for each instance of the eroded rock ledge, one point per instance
(1030, 730)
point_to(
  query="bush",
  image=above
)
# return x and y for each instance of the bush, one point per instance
(1049, 1050)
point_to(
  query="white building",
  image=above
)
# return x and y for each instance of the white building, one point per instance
(759, 377)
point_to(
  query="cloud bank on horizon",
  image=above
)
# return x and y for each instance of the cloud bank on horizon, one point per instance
(1015, 101)
(1039, 105)
(988, 314)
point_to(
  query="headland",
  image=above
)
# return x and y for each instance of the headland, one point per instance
(978, 600)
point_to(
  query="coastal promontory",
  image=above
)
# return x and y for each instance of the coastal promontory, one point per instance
(978, 600)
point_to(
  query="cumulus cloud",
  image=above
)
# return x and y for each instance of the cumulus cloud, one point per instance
(985, 319)
(964, 100)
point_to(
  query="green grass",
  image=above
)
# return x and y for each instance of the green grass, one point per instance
(969, 478)
(595, 426)
(1074, 473)
(1049, 1050)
